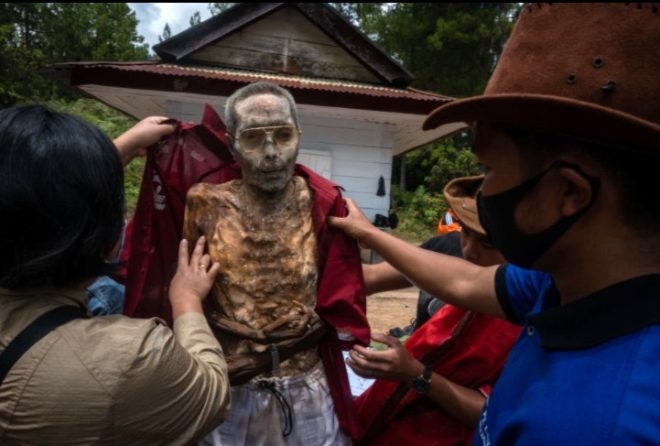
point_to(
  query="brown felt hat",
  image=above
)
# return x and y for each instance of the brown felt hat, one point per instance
(460, 195)
(586, 69)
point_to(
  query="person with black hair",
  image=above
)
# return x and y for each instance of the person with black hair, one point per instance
(65, 377)
(427, 304)
(460, 352)
(568, 132)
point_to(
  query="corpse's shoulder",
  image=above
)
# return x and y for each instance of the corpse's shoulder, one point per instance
(205, 192)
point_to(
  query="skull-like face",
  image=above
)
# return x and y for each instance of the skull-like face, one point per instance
(266, 141)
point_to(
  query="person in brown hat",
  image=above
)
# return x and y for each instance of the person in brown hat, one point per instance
(468, 241)
(458, 354)
(568, 130)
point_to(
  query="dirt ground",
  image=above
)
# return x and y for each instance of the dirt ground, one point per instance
(391, 309)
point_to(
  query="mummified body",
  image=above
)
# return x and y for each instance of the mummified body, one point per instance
(262, 229)
(267, 255)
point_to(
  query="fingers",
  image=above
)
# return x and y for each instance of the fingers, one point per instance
(386, 339)
(350, 205)
(198, 251)
(364, 366)
(213, 271)
(355, 223)
(183, 254)
(198, 261)
(365, 357)
(166, 126)
(193, 280)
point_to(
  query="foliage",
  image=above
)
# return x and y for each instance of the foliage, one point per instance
(451, 48)
(35, 35)
(435, 165)
(418, 212)
(217, 8)
(167, 33)
(113, 124)
(195, 19)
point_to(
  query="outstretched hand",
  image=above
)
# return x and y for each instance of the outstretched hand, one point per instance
(355, 224)
(394, 363)
(193, 279)
(135, 141)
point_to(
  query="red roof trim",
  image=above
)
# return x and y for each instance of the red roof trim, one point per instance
(222, 82)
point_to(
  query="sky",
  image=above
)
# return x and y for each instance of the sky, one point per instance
(152, 18)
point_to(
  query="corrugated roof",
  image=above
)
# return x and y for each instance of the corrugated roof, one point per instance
(287, 81)
(214, 81)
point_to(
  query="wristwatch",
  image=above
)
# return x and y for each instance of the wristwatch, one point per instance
(422, 383)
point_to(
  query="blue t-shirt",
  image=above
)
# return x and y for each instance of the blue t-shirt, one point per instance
(585, 373)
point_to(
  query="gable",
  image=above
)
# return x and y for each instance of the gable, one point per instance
(305, 39)
(330, 67)
(284, 42)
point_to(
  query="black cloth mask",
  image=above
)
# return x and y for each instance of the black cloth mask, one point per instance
(496, 216)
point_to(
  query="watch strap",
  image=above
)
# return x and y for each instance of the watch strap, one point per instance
(422, 383)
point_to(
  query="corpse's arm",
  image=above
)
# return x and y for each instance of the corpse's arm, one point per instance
(449, 278)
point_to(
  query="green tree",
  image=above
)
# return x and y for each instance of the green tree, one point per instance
(436, 164)
(451, 48)
(195, 19)
(167, 33)
(35, 35)
(217, 8)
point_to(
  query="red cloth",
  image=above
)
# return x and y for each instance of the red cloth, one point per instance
(198, 153)
(467, 348)
(193, 153)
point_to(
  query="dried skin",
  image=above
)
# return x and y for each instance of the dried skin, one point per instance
(268, 256)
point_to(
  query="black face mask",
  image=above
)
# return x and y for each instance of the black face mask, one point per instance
(496, 215)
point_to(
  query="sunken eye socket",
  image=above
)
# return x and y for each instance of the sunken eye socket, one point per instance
(255, 138)
(283, 134)
(252, 136)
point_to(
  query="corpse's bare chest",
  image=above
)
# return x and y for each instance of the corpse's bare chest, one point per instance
(267, 256)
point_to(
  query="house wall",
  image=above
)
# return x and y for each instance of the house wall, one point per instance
(359, 153)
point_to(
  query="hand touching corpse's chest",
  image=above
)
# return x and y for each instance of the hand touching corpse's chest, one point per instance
(268, 263)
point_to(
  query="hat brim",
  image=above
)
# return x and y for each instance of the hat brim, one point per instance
(551, 114)
(460, 196)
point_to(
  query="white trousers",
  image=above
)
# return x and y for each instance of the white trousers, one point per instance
(292, 411)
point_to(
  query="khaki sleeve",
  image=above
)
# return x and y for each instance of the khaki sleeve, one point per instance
(177, 387)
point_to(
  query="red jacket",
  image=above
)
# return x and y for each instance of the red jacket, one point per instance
(198, 153)
(465, 347)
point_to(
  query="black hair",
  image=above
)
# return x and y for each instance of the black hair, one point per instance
(61, 199)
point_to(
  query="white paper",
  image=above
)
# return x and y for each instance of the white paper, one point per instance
(358, 384)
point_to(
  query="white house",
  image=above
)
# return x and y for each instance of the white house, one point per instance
(356, 107)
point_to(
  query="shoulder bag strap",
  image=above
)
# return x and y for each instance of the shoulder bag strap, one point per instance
(40, 327)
